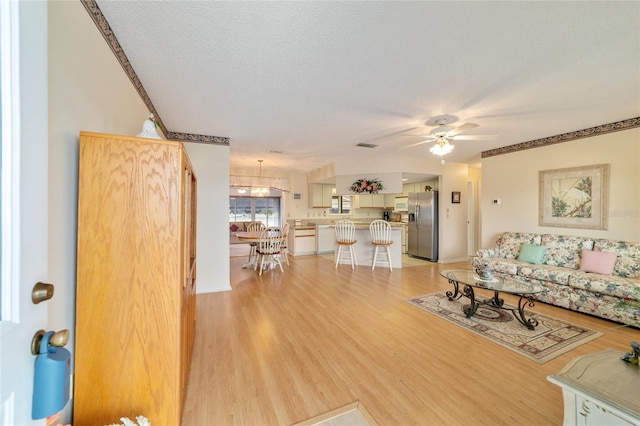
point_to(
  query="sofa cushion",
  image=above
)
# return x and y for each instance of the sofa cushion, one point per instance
(565, 250)
(510, 243)
(236, 227)
(532, 253)
(604, 306)
(628, 262)
(498, 264)
(599, 262)
(558, 295)
(553, 274)
(612, 285)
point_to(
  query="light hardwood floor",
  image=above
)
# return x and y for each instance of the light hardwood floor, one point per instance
(282, 348)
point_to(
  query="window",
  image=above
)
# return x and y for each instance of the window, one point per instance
(340, 204)
(248, 209)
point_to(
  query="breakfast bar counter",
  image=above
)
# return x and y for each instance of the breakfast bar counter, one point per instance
(324, 232)
(364, 247)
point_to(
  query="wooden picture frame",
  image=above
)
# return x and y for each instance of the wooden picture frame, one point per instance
(455, 197)
(576, 197)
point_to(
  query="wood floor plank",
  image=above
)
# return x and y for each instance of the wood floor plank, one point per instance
(282, 348)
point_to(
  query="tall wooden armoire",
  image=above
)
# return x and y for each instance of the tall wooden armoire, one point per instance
(135, 300)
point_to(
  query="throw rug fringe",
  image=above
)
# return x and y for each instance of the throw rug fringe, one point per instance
(551, 338)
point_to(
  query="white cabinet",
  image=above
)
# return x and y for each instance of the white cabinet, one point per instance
(389, 201)
(419, 186)
(302, 241)
(599, 389)
(320, 195)
(369, 201)
(325, 239)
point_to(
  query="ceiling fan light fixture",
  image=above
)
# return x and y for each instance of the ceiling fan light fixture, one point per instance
(441, 147)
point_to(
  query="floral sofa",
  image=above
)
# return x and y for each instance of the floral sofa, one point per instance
(570, 278)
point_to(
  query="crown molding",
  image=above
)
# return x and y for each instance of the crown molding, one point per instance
(566, 137)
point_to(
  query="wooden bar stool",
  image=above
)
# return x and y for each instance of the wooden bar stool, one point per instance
(381, 238)
(346, 238)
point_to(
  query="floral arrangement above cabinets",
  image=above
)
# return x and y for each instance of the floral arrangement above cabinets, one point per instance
(370, 186)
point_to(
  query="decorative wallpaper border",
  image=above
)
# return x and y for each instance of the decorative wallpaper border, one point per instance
(105, 29)
(566, 137)
(190, 137)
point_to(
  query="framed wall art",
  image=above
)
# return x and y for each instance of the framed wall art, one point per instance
(455, 197)
(576, 197)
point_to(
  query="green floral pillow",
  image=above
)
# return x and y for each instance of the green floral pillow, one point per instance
(531, 253)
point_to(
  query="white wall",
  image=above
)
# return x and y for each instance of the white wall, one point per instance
(513, 178)
(211, 167)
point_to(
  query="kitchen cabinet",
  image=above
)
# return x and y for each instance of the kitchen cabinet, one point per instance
(136, 279)
(419, 186)
(320, 195)
(325, 239)
(389, 201)
(367, 201)
(302, 241)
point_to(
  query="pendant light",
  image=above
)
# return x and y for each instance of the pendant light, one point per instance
(260, 190)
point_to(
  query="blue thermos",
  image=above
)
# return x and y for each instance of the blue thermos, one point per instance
(51, 376)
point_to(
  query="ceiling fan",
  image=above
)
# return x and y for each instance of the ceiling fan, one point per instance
(443, 133)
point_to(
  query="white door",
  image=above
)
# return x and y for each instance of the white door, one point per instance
(23, 42)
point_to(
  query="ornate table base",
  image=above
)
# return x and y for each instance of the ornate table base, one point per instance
(495, 301)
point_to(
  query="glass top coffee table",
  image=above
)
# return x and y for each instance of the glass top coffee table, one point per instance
(498, 283)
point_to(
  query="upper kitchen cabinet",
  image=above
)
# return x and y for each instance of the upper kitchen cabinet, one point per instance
(368, 201)
(419, 186)
(320, 195)
(389, 201)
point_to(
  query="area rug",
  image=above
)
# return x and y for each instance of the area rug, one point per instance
(551, 338)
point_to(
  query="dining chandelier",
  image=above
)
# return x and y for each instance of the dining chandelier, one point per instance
(258, 186)
(441, 147)
(260, 190)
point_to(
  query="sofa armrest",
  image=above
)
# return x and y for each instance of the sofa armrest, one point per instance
(492, 252)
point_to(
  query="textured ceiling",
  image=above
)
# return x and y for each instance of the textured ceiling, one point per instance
(313, 79)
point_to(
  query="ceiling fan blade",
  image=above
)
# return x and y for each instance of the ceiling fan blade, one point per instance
(419, 143)
(462, 128)
(473, 137)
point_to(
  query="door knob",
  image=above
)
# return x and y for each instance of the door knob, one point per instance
(58, 339)
(41, 292)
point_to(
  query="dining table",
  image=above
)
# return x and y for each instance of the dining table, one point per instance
(250, 237)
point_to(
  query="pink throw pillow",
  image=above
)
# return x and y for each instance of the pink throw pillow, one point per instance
(234, 228)
(599, 262)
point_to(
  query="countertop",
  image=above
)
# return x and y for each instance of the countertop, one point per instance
(360, 224)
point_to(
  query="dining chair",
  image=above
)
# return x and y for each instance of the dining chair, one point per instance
(254, 227)
(346, 239)
(268, 249)
(284, 247)
(381, 237)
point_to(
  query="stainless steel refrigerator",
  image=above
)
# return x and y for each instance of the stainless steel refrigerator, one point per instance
(423, 225)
